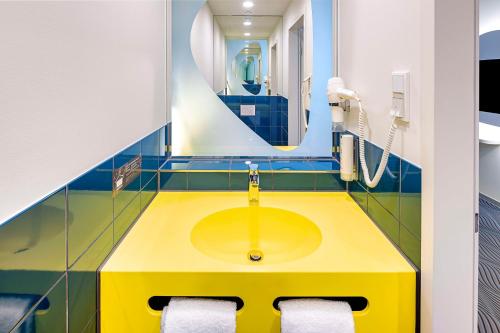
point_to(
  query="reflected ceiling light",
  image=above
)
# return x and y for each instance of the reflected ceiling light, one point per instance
(248, 4)
(247, 34)
(247, 22)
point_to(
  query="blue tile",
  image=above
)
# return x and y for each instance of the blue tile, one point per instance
(91, 190)
(126, 217)
(411, 198)
(387, 223)
(210, 165)
(248, 100)
(327, 165)
(233, 99)
(239, 164)
(275, 119)
(149, 192)
(359, 194)
(329, 182)
(176, 165)
(279, 165)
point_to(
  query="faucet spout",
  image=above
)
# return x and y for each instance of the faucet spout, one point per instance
(253, 183)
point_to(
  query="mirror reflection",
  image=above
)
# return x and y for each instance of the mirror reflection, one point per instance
(262, 64)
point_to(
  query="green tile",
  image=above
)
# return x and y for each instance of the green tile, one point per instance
(208, 181)
(82, 282)
(388, 200)
(411, 211)
(383, 219)
(126, 218)
(266, 181)
(86, 224)
(50, 314)
(91, 326)
(294, 181)
(410, 245)
(173, 181)
(33, 250)
(238, 181)
(359, 194)
(329, 182)
(149, 192)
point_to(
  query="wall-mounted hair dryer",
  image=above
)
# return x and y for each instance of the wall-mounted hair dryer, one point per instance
(337, 93)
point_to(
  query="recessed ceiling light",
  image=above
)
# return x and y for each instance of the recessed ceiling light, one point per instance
(247, 22)
(248, 4)
(247, 34)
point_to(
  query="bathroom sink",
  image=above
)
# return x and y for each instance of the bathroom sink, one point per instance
(253, 235)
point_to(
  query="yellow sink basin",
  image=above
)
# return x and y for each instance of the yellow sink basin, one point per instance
(253, 235)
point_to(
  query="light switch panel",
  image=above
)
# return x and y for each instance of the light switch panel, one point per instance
(401, 95)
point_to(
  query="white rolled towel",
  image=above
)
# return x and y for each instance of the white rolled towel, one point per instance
(197, 315)
(316, 316)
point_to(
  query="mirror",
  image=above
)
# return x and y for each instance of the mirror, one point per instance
(243, 79)
(254, 65)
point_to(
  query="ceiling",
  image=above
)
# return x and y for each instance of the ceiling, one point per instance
(262, 26)
(261, 7)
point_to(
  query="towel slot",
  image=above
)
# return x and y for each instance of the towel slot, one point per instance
(157, 303)
(356, 303)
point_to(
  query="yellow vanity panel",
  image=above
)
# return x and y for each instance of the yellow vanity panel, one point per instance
(344, 255)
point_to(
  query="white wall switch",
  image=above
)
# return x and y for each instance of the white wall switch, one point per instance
(401, 95)
(247, 110)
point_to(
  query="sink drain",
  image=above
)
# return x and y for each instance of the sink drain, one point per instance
(255, 255)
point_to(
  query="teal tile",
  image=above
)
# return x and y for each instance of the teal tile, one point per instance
(383, 219)
(359, 194)
(410, 245)
(329, 182)
(208, 181)
(173, 181)
(294, 181)
(50, 314)
(82, 282)
(126, 218)
(149, 192)
(91, 326)
(266, 181)
(411, 197)
(238, 181)
(33, 250)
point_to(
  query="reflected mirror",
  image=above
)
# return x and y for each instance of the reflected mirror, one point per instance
(261, 70)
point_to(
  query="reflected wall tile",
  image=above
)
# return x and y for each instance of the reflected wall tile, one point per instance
(206, 181)
(130, 191)
(173, 181)
(411, 198)
(82, 282)
(33, 248)
(93, 189)
(329, 182)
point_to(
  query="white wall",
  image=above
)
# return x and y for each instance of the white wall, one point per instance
(293, 13)
(79, 81)
(209, 48)
(490, 14)
(219, 58)
(371, 47)
(202, 42)
(436, 41)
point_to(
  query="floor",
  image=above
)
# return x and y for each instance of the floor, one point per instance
(489, 266)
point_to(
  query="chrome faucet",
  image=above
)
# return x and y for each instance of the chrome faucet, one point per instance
(253, 183)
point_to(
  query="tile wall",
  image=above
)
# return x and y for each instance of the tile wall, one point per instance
(49, 254)
(395, 204)
(271, 116)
